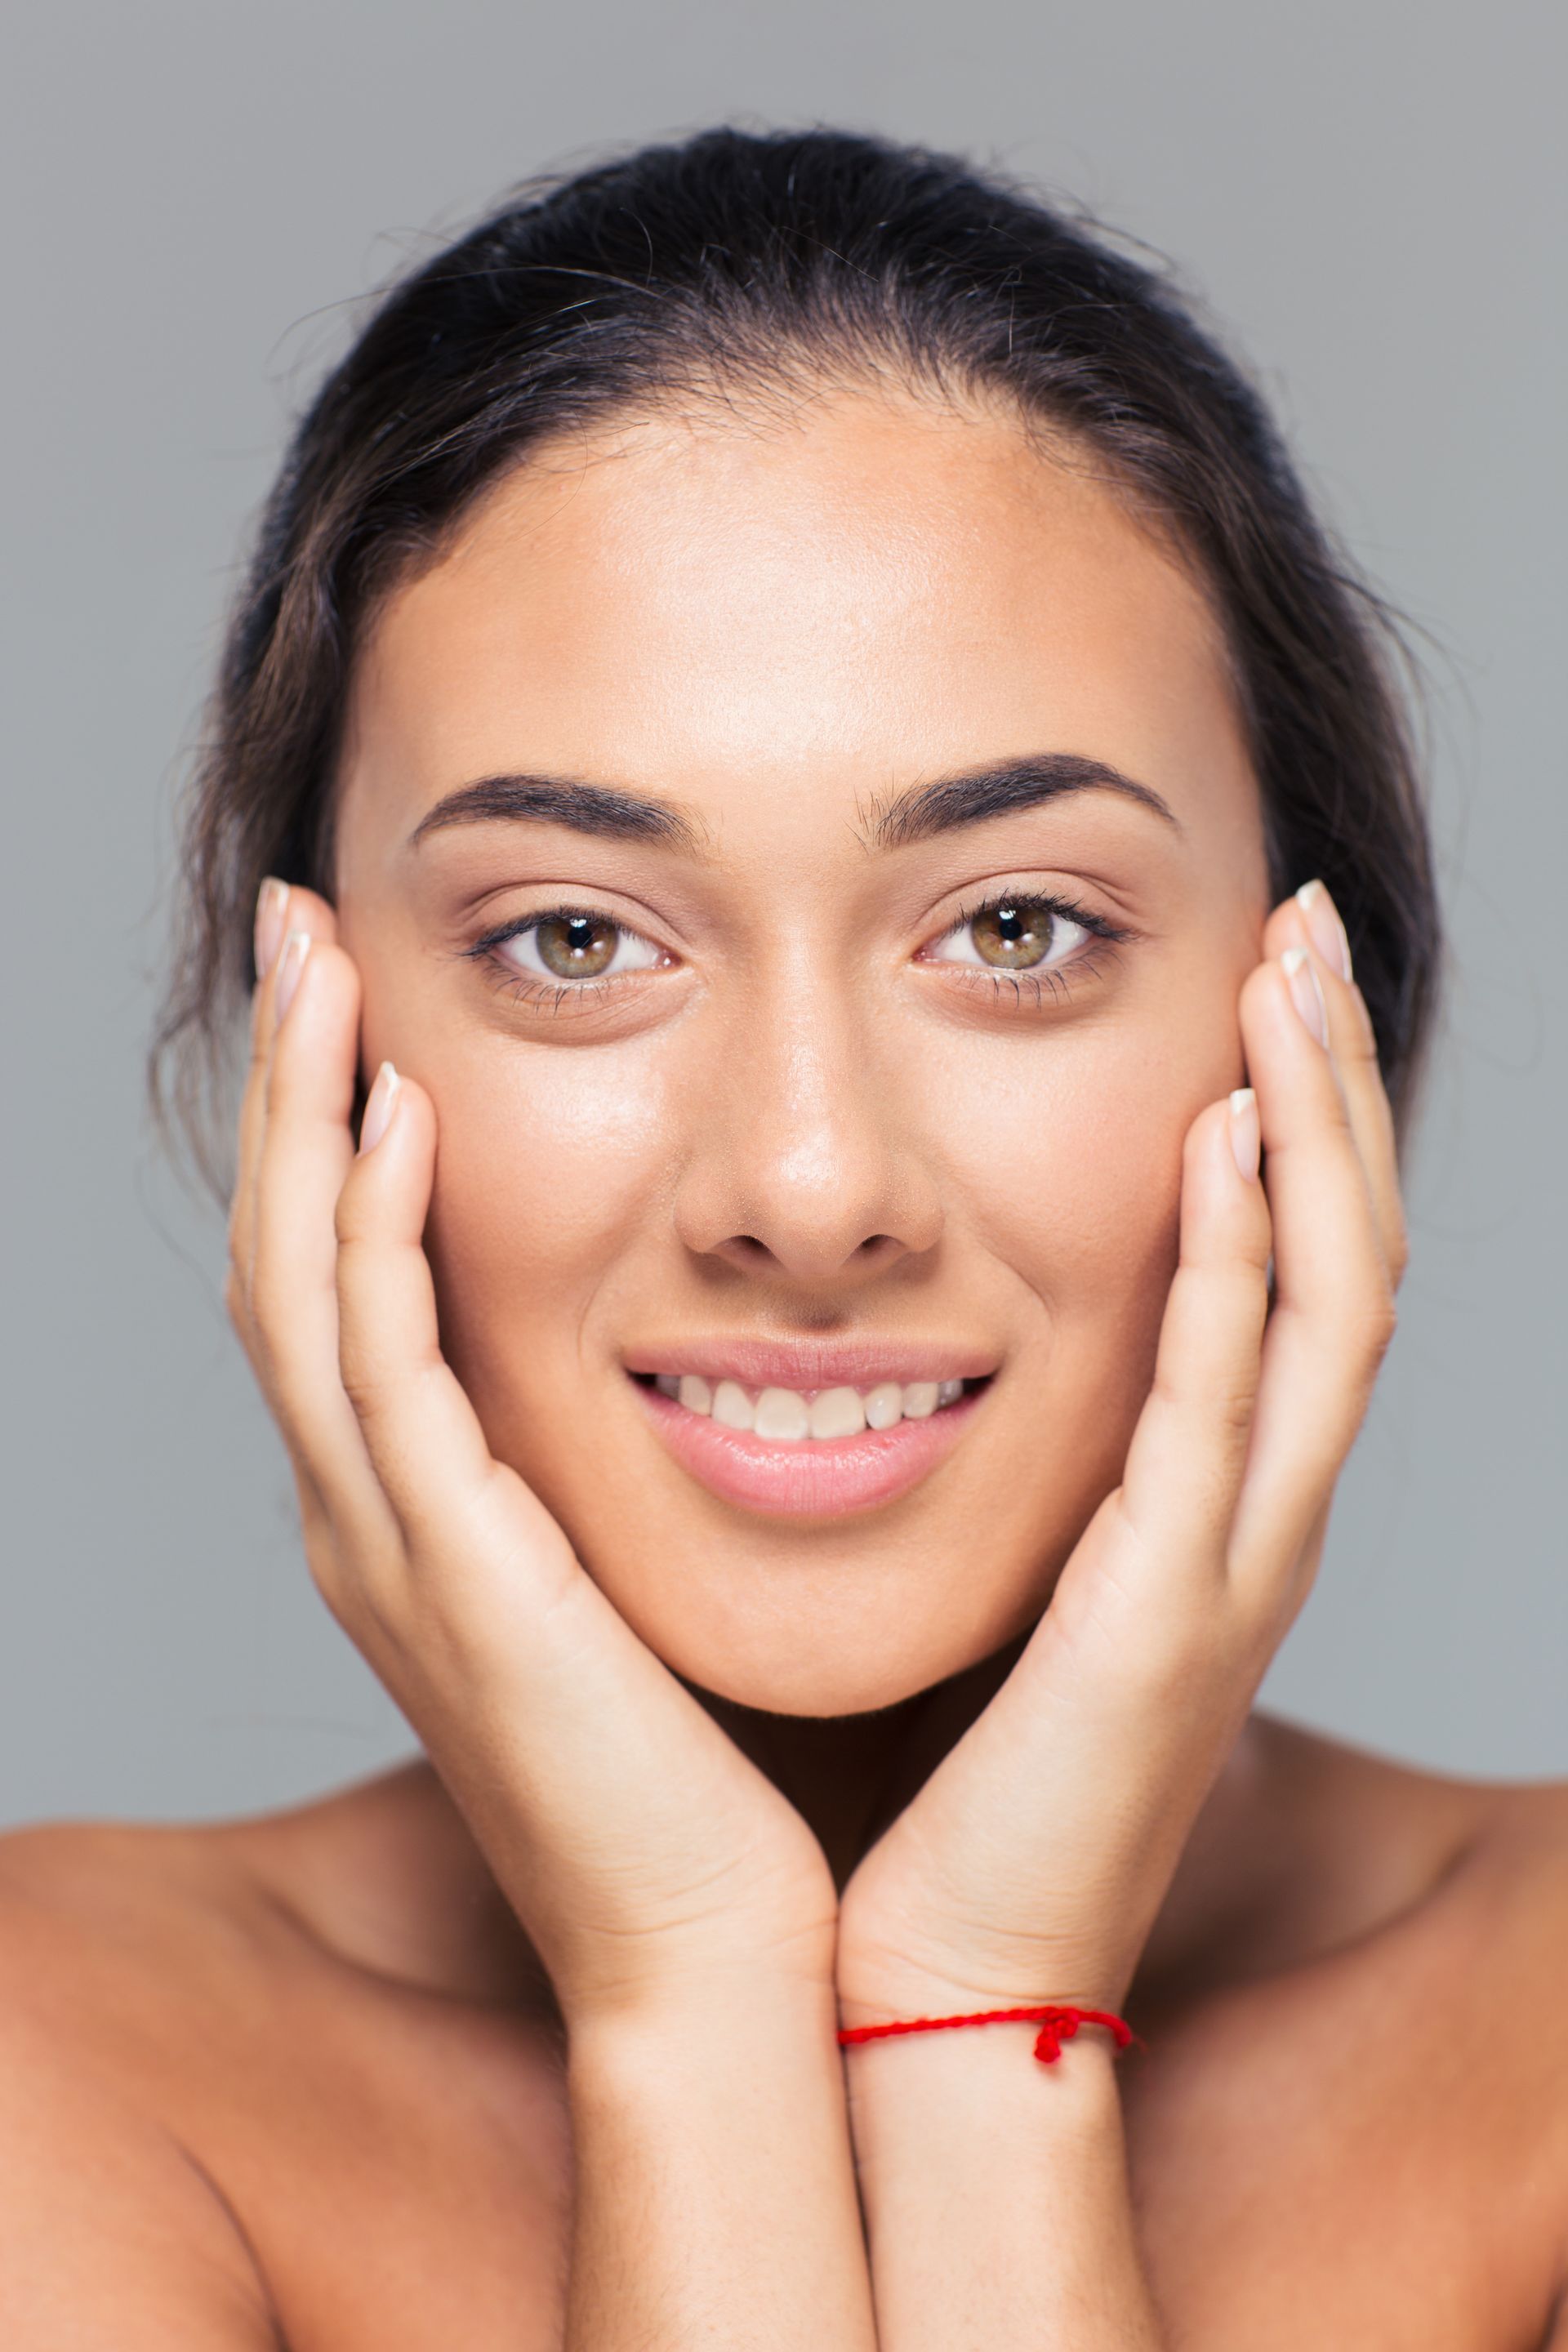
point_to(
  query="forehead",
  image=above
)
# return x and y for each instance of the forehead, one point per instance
(869, 590)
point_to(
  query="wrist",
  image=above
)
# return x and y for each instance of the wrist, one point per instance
(684, 2052)
(870, 1994)
(720, 2000)
(979, 2079)
(722, 1966)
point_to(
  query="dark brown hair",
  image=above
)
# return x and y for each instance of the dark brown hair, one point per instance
(740, 263)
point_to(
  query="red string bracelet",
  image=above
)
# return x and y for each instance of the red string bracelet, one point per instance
(1056, 2025)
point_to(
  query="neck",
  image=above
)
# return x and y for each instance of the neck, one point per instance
(850, 1776)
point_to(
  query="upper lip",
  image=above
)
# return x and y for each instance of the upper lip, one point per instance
(807, 1364)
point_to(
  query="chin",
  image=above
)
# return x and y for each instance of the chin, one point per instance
(843, 1639)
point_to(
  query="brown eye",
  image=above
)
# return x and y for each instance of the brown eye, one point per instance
(1014, 935)
(576, 946)
(574, 943)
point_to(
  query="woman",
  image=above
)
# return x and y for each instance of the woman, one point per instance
(792, 722)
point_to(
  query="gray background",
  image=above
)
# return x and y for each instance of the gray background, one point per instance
(1371, 195)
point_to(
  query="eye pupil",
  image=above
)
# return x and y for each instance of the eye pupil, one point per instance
(1013, 936)
(576, 946)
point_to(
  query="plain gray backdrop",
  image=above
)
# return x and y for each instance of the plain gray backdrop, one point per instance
(1369, 194)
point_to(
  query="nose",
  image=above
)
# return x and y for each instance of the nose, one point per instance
(805, 1161)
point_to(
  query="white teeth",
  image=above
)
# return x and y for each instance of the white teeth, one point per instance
(788, 1418)
(731, 1405)
(884, 1405)
(784, 1414)
(836, 1413)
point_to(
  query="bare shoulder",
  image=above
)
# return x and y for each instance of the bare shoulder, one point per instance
(255, 2073)
(111, 2229)
(1510, 1954)
(1356, 2107)
(1519, 1872)
(1393, 1836)
(1476, 1945)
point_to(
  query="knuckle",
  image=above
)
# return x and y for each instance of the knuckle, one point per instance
(1397, 1249)
(265, 1292)
(348, 1218)
(1234, 1404)
(1374, 1328)
(235, 1302)
(1356, 1042)
(260, 1033)
(365, 1382)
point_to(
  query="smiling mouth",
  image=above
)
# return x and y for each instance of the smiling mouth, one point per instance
(808, 1417)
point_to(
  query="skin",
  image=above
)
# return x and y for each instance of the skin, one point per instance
(889, 1779)
(903, 1151)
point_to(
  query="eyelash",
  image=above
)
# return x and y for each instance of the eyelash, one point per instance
(1056, 982)
(521, 986)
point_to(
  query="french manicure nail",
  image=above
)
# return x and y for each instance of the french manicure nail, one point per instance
(1306, 991)
(1324, 928)
(271, 913)
(290, 965)
(1246, 1133)
(378, 1110)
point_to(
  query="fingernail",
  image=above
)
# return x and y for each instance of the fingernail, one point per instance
(290, 965)
(1245, 1134)
(379, 1108)
(1306, 991)
(271, 913)
(1324, 928)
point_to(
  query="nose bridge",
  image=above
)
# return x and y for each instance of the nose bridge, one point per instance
(809, 1150)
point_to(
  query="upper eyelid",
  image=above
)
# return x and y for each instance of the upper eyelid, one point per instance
(551, 893)
(1098, 926)
(501, 932)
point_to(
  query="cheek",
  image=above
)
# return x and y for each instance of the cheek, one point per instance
(1067, 1161)
(549, 1170)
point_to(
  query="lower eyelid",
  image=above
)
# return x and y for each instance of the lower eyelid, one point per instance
(1010, 986)
(1088, 934)
(492, 950)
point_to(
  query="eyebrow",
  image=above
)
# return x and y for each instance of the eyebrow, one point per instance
(999, 789)
(564, 799)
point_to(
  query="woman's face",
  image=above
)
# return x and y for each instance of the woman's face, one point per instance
(866, 801)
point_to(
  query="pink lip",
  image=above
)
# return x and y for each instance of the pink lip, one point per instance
(809, 1364)
(821, 1478)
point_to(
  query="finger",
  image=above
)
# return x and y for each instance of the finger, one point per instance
(1310, 920)
(423, 1436)
(304, 1155)
(1186, 1463)
(1332, 1316)
(282, 909)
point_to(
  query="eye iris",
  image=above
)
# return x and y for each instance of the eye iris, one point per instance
(577, 947)
(1013, 936)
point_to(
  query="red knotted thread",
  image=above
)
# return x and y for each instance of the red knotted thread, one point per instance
(1056, 2023)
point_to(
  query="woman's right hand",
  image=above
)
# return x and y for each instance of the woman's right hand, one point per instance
(643, 1853)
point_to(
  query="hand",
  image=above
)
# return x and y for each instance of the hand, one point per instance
(642, 1851)
(1031, 1865)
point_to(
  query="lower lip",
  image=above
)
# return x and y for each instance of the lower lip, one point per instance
(820, 1478)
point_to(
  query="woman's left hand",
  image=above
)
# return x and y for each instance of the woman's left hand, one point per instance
(1031, 1865)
